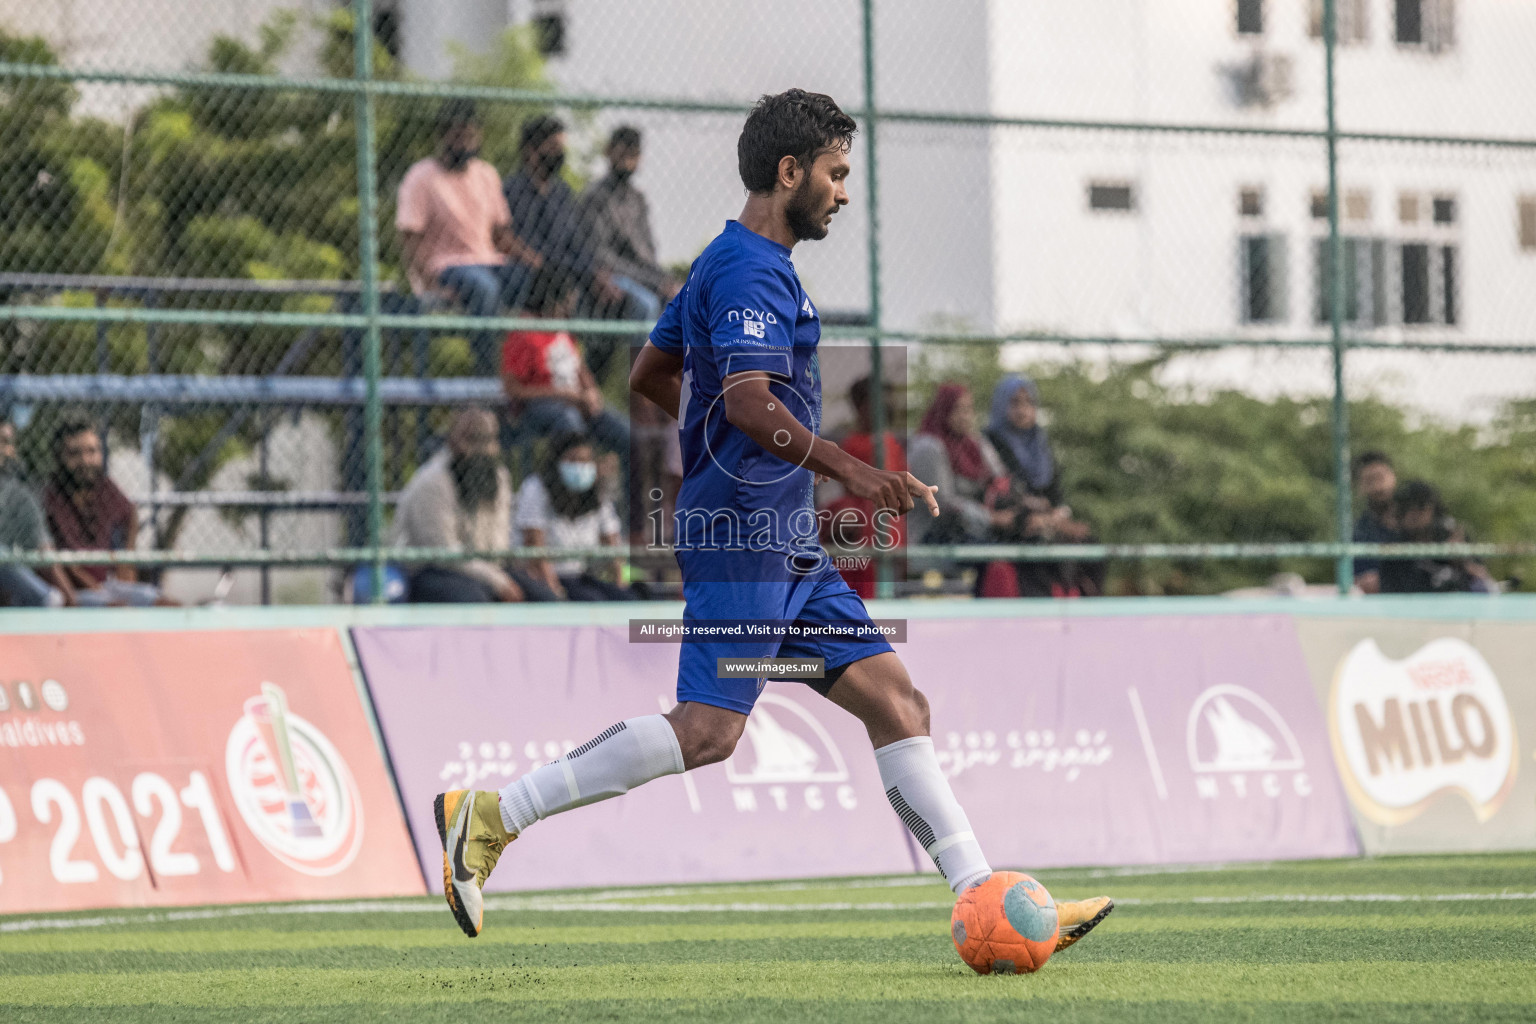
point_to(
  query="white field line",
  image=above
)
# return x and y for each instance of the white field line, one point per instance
(563, 905)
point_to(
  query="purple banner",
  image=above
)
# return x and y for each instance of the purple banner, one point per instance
(479, 707)
(1069, 741)
(1132, 740)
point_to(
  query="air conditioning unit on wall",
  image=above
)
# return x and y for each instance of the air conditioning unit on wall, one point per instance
(1262, 81)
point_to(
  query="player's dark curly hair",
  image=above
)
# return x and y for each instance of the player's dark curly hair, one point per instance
(794, 123)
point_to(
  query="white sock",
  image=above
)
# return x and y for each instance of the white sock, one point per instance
(616, 760)
(922, 798)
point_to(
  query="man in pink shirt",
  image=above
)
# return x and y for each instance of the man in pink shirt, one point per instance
(456, 230)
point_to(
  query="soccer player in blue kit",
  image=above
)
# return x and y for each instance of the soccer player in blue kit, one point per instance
(734, 358)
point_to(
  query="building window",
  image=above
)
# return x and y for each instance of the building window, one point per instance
(1250, 17)
(1444, 210)
(1118, 196)
(1250, 202)
(1427, 23)
(1365, 298)
(1352, 16)
(1263, 263)
(1408, 208)
(1357, 205)
(1428, 280)
(1527, 217)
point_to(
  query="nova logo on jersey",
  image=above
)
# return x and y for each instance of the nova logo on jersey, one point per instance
(754, 328)
(791, 756)
(1406, 730)
(808, 309)
(292, 788)
(1235, 736)
(751, 314)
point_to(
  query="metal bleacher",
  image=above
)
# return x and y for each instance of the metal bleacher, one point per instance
(405, 355)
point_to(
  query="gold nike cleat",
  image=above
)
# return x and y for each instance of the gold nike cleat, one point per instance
(1079, 917)
(469, 824)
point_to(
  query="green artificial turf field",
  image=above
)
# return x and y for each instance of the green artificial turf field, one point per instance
(1405, 939)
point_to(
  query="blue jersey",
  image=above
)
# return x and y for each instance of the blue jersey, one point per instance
(743, 308)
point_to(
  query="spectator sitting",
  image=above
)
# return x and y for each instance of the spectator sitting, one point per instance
(461, 499)
(22, 528)
(855, 530)
(546, 380)
(1421, 519)
(949, 453)
(1376, 480)
(619, 220)
(547, 218)
(1025, 450)
(456, 231)
(560, 507)
(87, 512)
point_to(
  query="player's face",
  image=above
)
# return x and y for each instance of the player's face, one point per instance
(818, 196)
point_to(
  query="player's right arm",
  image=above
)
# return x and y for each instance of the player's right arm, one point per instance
(658, 371)
(752, 309)
(658, 376)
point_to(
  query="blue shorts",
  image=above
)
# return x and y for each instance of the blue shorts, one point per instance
(820, 597)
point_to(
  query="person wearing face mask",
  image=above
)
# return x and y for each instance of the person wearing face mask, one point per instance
(549, 387)
(455, 230)
(560, 507)
(461, 500)
(547, 218)
(619, 220)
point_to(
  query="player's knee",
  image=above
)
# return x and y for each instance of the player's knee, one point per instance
(707, 739)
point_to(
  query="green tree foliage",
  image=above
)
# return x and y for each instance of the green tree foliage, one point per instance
(212, 183)
(1148, 463)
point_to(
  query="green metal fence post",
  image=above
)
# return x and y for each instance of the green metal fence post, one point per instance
(884, 587)
(1344, 570)
(368, 258)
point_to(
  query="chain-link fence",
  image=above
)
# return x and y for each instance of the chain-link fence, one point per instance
(262, 262)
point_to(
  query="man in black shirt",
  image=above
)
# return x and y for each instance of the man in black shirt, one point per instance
(547, 218)
(1421, 519)
(1376, 481)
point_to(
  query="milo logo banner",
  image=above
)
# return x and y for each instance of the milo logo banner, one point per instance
(197, 767)
(1096, 741)
(1432, 726)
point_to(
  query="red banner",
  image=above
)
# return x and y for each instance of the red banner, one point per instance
(200, 767)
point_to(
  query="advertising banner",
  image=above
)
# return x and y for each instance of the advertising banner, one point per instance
(1105, 741)
(1132, 740)
(1432, 725)
(198, 767)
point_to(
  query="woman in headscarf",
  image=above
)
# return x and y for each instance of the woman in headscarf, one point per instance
(951, 453)
(1025, 450)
